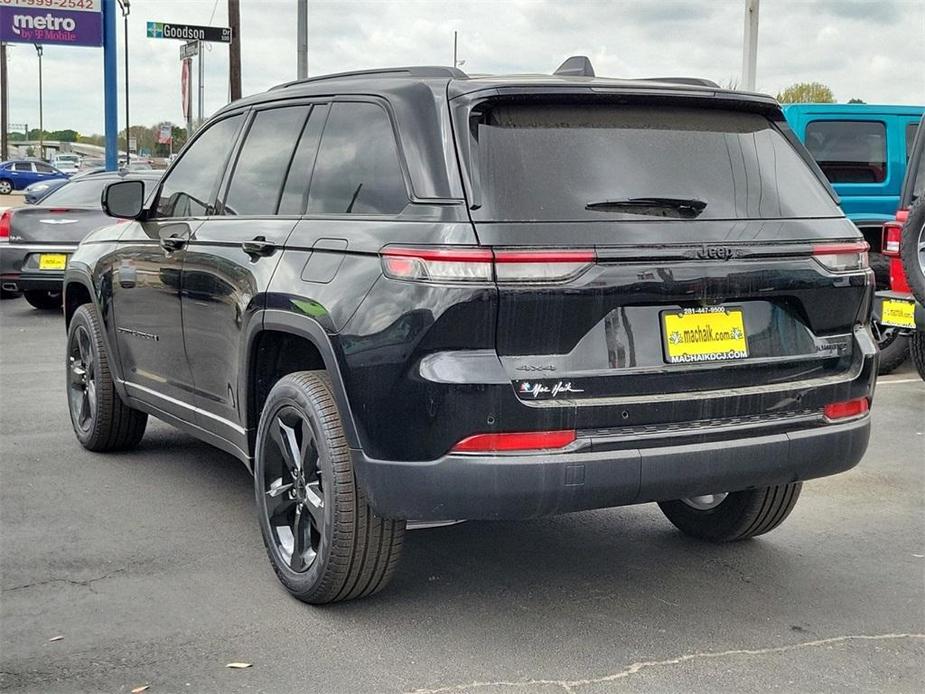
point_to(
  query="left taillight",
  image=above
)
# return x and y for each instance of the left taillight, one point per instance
(842, 257)
(892, 233)
(5, 223)
(478, 264)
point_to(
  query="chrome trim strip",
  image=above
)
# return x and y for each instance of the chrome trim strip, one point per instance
(198, 410)
(40, 248)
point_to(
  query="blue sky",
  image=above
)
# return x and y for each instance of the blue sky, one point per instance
(870, 49)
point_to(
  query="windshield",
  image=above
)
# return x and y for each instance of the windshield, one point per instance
(570, 162)
(78, 194)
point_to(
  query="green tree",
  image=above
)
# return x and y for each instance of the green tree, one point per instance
(856, 101)
(806, 93)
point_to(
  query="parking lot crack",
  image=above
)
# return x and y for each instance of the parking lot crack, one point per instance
(571, 686)
(87, 583)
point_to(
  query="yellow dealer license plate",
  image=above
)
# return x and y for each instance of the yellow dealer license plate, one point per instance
(898, 313)
(716, 333)
(52, 261)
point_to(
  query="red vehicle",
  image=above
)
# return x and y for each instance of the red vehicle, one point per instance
(904, 243)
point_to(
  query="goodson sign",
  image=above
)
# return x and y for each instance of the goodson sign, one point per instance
(80, 24)
(188, 32)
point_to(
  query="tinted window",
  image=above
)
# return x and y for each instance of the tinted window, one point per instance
(44, 168)
(86, 193)
(263, 161)
(22, 166)
(295, 192)
(357, 171)
(849, 151)
(558, 162)
(918, 184)
(189, 188)
(911, 129)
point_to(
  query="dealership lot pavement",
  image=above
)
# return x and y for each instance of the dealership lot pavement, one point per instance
(150, 566)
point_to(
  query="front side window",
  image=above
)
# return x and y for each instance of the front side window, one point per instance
(849, 151)
(357, 170)
(263, 161)
(190, 187)
(44, 168)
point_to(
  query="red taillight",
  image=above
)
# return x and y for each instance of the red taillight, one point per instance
(846, 408)
(475, 264)
(892, 232)
(842, 257)
(5, 224)
(522, 441)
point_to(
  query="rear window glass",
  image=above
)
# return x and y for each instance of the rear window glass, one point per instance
(78, 193)
(849, 151)
(558, 162)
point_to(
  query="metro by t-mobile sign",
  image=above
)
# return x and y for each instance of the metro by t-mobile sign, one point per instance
(32, 21)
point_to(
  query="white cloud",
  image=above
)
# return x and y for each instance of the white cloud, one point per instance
(867, 49)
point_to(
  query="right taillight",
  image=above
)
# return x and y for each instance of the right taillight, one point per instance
(892, 232)
(842, 257)
(5, 224)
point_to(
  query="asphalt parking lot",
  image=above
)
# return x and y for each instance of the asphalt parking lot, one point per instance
(150, 566)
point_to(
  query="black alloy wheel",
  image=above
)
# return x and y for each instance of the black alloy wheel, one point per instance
(81, 392)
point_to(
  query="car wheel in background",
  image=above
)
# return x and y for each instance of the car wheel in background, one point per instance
(917, 350)
(733, 516)
(7, 294)
(912, 250)
(894, 348)
(101, 421)
(6, 187)
(324, 541)
(44, 300)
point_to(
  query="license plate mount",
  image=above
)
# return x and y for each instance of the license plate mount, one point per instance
(711, 334)
(898, 313)
(52, 261)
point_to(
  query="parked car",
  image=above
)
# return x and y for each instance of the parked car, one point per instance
(32, 194)
(901, 307)
(17, 174)
(66, 162)
(863, 149)
(408, 294)
(36, 241)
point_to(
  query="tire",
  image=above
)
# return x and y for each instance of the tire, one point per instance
(894, 349)
(6, 294)
(739, 516)
(44, 300)
(917, 351)
(346, 550)
(101, 421)
(880, 264)
(912, 249)
(6, 186)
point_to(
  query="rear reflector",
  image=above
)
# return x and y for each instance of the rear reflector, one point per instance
(479, 264)
(523, 441)
(847, 408)
(842, 257)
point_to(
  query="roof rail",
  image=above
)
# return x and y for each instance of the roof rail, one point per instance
(696, 81)
(576, 66)
(422, 71)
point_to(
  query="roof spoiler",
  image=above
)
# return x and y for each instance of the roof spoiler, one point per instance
(576, 66)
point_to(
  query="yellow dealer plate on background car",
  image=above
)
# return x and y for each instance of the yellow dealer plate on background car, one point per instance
(898, 313)
(715, 333)
(52, 261)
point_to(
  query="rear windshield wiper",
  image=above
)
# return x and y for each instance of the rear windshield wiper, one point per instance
(686, 208)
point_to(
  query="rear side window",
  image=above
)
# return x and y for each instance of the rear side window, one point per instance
(190, 186)
(600, 162)
(22, 166)
(911, 129)
(295, 192)
(357, 170)
(264, 160)
(849, 151)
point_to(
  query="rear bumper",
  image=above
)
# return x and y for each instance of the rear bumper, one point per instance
(879, 298)
(527, 485)
(19, 269)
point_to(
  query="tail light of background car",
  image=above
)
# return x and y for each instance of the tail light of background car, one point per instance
(842, 257)
(5, 224)
(475, 264)
(892, 231)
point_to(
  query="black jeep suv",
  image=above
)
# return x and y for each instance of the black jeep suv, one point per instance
(409, 294)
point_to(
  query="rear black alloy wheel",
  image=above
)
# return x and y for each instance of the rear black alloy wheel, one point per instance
(101, 421)
(733, 516)
(324, 541)
(894, 347)
(44, 300)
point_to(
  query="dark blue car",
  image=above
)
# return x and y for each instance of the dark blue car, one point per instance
(17, 174)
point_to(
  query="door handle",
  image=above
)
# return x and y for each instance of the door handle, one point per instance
(173, 243)
(258, 247)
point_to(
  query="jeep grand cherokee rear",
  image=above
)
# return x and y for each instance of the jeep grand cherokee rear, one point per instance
(663, 303)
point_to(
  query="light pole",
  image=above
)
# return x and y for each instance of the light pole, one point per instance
(38, 49)
(124, 6)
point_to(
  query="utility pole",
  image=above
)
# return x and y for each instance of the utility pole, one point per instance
(4, 92)
(234, 49)
(302, 39)
(124, 6)
(750, 45)
(455, 63)
(38, 49)
(202, 89)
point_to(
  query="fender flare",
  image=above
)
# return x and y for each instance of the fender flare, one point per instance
(302, 326)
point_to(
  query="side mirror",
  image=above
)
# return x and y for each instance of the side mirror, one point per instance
(125, 199)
